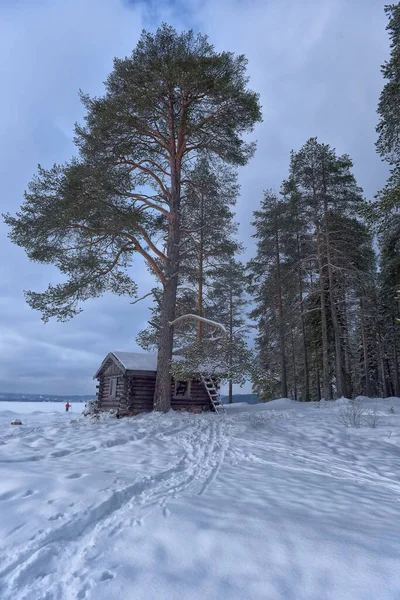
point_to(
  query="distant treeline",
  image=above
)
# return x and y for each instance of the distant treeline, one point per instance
(15, 397)
(249, 398)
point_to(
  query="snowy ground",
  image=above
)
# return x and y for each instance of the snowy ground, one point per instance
(272, 502)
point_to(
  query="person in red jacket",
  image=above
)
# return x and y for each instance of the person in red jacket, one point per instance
(67, 407)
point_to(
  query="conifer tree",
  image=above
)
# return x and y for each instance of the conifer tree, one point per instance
(388, 129)
(327, 187)
(173, 98)
(208, 240)
(384, 213)
(227, 300)
(312, 272)
(267, 277)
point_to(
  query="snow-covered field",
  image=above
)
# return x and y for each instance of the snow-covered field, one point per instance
(271, 502)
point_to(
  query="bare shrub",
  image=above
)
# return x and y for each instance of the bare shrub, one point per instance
(351, 413)
(258, 420)
(372, 417)
(261, 419)
(323, 403)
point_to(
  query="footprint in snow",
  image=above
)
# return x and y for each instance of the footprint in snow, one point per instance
(27, 494)
(35, 535)
(56, 517)
(106, 576)
(7, 496)
(16, 528)
(60, 453)
(74, 476)
(82, 594)
(116, 529)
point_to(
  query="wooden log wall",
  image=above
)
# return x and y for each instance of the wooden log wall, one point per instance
(135, 393)
(123, 393)
(119, 401)
(107, 402)
(141, 393)
(198, 398)
(100, 391)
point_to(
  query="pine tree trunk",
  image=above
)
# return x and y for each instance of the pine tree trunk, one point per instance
(230, 392)
(326, 388)
(386, 391)
(368, 387)
(389, 377)
(284, 387)
(162, 395)
(306, 389)
(339, 362)
(200, 325)
(318, 384)
(346, 350)
(294, 368)
(395, 360)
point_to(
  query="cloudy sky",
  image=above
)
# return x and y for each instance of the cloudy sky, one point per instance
(315, 63)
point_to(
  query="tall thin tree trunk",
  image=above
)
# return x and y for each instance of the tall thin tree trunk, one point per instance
(347, 353)
(200, 325)
(386, 391)
(284, 387)
(306, 388)
(389, 376)
(326, 388)
(368, 387)
(339, 361)
(318, 381)
(395, 360)
(230, 392)
(294, 367)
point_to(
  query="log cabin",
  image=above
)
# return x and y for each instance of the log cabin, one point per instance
(126, 385)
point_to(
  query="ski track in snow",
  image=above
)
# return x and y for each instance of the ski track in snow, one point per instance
(183, 506)
(328, 466)
(71, 547)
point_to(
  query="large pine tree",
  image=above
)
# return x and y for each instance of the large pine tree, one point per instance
(173, 98)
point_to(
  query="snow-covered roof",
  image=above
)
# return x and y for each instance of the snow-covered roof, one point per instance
(137, 361)
(131, 361)
(140, 361)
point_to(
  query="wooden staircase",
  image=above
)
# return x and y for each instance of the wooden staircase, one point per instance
(213, 394)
